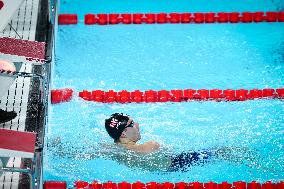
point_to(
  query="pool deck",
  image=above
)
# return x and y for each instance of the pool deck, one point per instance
(19, 97)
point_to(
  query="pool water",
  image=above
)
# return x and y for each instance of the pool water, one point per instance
(177, 56)
(131, 6)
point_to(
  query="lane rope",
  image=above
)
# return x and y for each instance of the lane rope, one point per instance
(173, 18)
(166, 185)
(176, 95)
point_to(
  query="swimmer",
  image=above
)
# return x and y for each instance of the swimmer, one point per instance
(149, 156)
(126, 134)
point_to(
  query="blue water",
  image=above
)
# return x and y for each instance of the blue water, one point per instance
(83, 7)
(169, 57)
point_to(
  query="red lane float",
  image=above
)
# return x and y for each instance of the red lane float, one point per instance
(198, 18)
(86, 95)
(110, 96)
(176, 95)
(137, 96)
(64, 19)
(216, 94)
(270, 93)
(203, 94)
(224, 185)
(163, 96)
(188, 94)
(246, 17)
(149, 96)
(210, 17)
(222, 17)
(168, 185)
(97, 95)
(96, 185)
(61, 95)
(280, 93)
(280, 16)
(162, 18)
(253, 185)
(258, 17)
(138, 18)
(113, 18)
(138, 185)
(123, 97)
(210, 185)
(90, 19)
(195, 185)
(124, 185)
(81, 184)
(54, 185)
(173, 18)
(185, 18)
(239, 185)
(150, 18)
(241, 94)
(255, 93)
(126, 18)
(102, 19)
(271, 16)
(234, 17)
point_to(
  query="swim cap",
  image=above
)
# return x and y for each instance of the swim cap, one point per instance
(116, 124)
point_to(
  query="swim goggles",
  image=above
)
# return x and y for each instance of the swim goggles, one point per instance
(131, 124)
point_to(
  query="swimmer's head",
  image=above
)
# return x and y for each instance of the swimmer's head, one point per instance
(116, 124)
(122, 126)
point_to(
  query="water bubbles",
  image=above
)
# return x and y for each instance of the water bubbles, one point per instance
(278, 67)
(258, 134)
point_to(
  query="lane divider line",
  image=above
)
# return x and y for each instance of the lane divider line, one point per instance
(173, 18)
(176, 95)
(166, 185)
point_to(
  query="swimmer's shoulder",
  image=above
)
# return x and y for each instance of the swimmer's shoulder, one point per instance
(147, 147)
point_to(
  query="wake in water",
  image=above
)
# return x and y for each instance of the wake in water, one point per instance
(162, 160)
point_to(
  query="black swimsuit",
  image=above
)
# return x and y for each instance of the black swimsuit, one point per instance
(184, 160)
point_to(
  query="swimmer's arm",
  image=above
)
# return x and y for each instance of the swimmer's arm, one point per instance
(147, 147)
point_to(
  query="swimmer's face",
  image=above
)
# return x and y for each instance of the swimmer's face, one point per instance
(132, 131)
